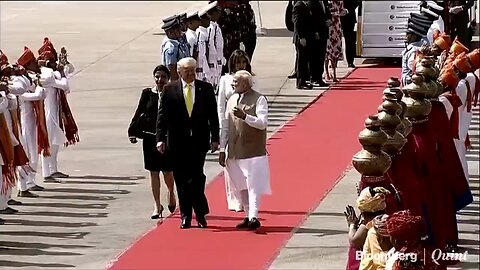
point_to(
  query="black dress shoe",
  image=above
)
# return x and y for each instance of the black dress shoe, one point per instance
(253, 224)
(243, 224)
(13, 202)
(2, 221)
(305, 86)
(202, 222)
(8, 211)
(351, 65)
(36, 188)
(26, 194)
(292, 76)
(186, 224)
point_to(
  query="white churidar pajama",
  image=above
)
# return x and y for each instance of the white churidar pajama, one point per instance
(250, 177)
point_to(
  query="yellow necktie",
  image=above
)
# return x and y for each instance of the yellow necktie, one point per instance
(189, 99)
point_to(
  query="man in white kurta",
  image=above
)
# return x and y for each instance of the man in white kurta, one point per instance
(28, 135)
(56, 136)
(243, 152)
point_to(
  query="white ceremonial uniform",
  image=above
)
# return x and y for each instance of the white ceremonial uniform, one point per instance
(191, 39)
(203, 70)
(28, 134)
(249, 176)
(211, 55)
(218, 41)
(56, 136)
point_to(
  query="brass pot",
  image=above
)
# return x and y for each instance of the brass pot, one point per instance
(393, 82)
(432, 89)
(407, 127)
(417, 108)
(388, 121)
(426, 69)
(395, 142)
(372, 137)
(371, 163)
(417, 88)
(390, 103)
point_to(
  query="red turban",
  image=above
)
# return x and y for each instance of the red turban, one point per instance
(403, 226)
(26, 58)
(48, 46)
(46, 55)
(3, 59)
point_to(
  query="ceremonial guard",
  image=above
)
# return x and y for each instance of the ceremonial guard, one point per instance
(414, 42)
(170, 45)
(214, 28)
(205, 38)
(192, 21)
(7, 169)
(183, 46)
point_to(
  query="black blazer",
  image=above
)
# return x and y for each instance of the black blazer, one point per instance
(350, 5)
(303, 24)
(182, 133)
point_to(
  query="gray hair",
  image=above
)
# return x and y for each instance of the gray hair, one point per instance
(245, 75)
(186, 62)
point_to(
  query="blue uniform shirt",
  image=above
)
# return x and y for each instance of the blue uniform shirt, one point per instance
(170, 52)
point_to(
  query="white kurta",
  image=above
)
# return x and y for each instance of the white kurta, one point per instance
(51, 83)
(28, 132)
(202, 63)
(251, 174)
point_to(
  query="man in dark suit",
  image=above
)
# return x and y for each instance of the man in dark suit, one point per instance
(187, 127)
(348, 27)
(303, 36)
(322, 19)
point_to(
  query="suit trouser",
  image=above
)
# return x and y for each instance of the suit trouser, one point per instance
(49, 164)
(348, 28)
(250, 44)
(459, 28)
(190, 181)
(303, 63)
(319, 49)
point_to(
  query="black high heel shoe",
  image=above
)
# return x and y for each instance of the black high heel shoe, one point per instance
(171, 207)
(159, 214)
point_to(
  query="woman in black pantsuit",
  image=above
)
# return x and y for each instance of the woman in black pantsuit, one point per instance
(143, 126)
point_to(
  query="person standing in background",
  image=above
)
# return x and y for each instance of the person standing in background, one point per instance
(348, 27)
(321, 19)
(170, 45)
(459, 20)
(334, 43)
(303, 37)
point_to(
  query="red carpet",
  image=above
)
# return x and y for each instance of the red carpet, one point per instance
(307, 157)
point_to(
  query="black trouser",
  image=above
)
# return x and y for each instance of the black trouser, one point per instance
(319, 50)
(303, 63)
(459, 28)
(250, 44)
(348, 28)
(190, 181)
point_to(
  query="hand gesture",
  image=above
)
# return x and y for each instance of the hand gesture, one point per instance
(303, 42)
(350, 215)
(456, 9)
(161, 147)
(133, 140)
(240, 113)
(213, 147)
(317, 36)
(221, 159)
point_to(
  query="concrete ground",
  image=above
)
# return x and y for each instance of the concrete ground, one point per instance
(86, 221)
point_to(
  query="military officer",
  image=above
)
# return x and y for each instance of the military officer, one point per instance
(183, 46)
(170, 45)
(413, 43)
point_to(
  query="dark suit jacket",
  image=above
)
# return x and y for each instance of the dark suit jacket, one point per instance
(350, 5)
(303, 24)
(182, 133)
